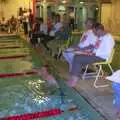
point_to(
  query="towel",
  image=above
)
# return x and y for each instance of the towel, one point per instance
(115, 77)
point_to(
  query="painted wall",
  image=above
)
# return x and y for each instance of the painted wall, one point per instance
(106, 15)
(10, 7)
(110, 16)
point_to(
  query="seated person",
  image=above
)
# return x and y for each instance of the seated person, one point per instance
(53, 33)
(41, 31)
(49, 24)
(12, 24)
(44, 73)
(87, 41)
(43, 28)
(3, 24)
(61, 38)
(57, 26)
(100, 53)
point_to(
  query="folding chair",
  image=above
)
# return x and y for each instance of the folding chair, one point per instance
(100, 72)
(64, 46)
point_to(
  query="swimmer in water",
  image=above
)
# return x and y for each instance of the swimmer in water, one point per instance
(44, 73)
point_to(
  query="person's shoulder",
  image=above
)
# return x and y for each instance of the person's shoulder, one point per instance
(88, 32)
(109, 36)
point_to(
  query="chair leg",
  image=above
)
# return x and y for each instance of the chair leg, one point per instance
(84, 74)
(59, 53)
(97, 78)
(110, 68)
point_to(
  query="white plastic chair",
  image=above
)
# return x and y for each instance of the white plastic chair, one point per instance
(100, 72)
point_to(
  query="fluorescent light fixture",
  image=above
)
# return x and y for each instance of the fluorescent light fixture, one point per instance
(64, 1)
(81, 2)
(96, 8)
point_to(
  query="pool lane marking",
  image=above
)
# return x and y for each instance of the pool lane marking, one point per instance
(14, 56)
(8, 41)
(18, 74)
(11, 44)
(11, 47)
(43, 114)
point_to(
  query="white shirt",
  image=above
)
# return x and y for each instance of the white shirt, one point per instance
(25, 17)
(43, 28)
(106, 46)
(57, 27)
(88, 38)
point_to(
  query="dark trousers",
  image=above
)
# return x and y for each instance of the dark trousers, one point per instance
(46, 40)
(25, 26)
(82, 60)
(35, 36)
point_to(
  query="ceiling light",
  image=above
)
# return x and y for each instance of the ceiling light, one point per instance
(64, 1)
(96, 8)
(81, 2)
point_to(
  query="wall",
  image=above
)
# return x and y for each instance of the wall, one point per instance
(10, 7)
(110, 16)
(106, 14)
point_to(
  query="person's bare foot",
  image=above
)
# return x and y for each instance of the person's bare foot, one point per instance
(72, 82)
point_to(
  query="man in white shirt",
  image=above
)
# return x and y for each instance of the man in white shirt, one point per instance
(101, 52)
(87, 41)
(53, 33)
(43, 27)
(57, 26)
(25, 21)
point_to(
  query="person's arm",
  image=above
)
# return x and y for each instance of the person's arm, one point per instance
(89, 53)
(37, 71)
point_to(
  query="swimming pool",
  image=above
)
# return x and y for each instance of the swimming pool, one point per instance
(27, 95)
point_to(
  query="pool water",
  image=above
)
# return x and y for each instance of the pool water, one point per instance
(30, 94)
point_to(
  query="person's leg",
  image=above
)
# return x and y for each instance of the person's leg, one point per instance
(69, 57)
(47, 39)
(78, 62)
(25, 24)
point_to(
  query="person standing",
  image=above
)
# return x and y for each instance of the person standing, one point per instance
(25, 21)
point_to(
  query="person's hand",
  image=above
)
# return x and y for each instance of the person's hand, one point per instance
(77, 48)
(37, 71)
(83, 53)
(88, 50)
(78, 52)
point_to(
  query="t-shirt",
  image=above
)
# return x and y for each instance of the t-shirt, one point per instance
(26, 17)
(88, 38)
(57, 27)
(106, 46)
(44, 28)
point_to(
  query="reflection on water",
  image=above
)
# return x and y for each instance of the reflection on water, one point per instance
(32, 96)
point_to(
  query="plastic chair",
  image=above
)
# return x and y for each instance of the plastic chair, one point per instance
(64, 46)
(100, 72)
